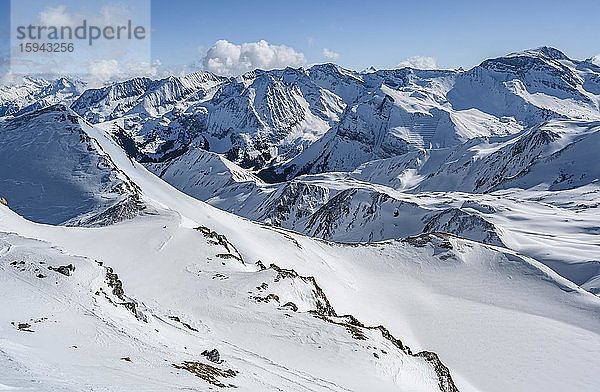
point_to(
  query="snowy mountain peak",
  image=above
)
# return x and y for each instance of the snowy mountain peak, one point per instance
(31, 94)
(547, 52)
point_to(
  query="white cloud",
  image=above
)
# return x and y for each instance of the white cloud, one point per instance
(57, 16)
(116, 14)
(226, 58)
(105, 69)
(105, 59)
(100, 71)
(418, 62)
(330, 54)
(107, 15)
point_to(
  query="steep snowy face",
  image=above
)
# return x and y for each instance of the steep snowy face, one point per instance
(205, 175)
(294, 121)
(545, 70)
(96, 105)
(344, 83)
(52, 172)
(553, 156)
(323, 102)
(33, 94)
(257, 118)
(268, 116)
(360, 136)
(399, 111)
(290, 206)
(531, 86)
(465, 224)
(143, 97)
(590, 72)
(365, 215)
(147, 116)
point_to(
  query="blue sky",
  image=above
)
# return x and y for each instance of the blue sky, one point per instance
(379, 33)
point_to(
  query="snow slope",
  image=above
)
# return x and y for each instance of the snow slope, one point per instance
(557, 226)
(498, 320)
(53, 172)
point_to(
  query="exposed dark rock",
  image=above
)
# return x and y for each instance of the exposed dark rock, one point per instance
(418, 241)
(66, 270)
(356, 329)
(212, 355)
(113, 281)
(445, 381)
(227, 256)
(177, 319)
(291, 305)
(128, 208)
(23, 326)
(464, 224)
(208, 373)
(219, 239)
(261, 265)
(268, 298)
(322, 303)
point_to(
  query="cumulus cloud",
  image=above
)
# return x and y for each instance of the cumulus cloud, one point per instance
(330, 54)
(418, 62)
(226, 58)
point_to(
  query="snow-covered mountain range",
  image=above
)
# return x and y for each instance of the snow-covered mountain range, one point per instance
(304, 229)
